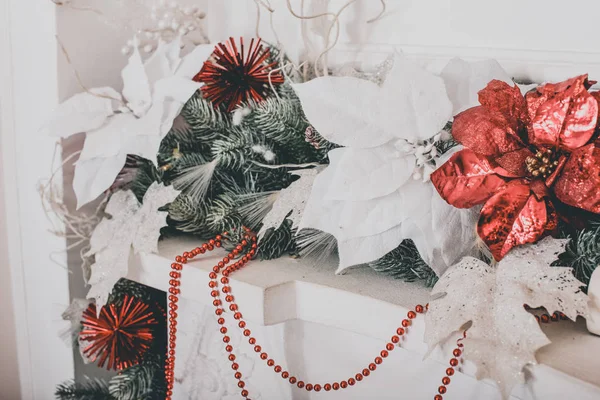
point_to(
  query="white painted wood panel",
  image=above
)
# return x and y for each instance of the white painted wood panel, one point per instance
(39, 286)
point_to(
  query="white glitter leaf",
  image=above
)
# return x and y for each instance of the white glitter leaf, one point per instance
(503, 337)
(132, 226)
(291, 199)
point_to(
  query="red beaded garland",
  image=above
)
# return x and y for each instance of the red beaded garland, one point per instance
(246, 250)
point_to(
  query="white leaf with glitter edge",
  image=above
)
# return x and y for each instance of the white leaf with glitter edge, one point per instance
(132, 226)
(503, 337)
(290, 200)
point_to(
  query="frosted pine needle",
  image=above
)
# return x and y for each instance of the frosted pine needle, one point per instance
(316, 245)
(256, 206)
(195, 181)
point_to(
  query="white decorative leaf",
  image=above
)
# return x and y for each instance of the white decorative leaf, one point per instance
(106, 141)
(176, 87)
(150, 220)
(94, 176)
(420, 107)
(136, 87)
(352, 219)
(503, 337)
(344, 110)
(454, 233)
(132, 226)
(82, 113)
(291, 199)
(155, 92)
(364, 174)
(163, 62)
(362, 250)
(193, 62)
(411, 104)
(465, 79)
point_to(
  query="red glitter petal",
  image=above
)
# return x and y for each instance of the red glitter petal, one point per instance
(579, 183)
(562, 114)
(466, 179)
(514, 162)
(511, 218)
(486, 132)
(501, 97)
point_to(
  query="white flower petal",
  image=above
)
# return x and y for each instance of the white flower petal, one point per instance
(413, 101)
(412, 104)
(465, 79)
(83, 112)
(193, 62)
(93, 177)
(164, 61)
(366, 249)
(145, 146)
(157, 66)
(107, 140)
(150, 123)
(136, 87)
(352, 219)
(364, 174)
(347, 111)
(175, 87)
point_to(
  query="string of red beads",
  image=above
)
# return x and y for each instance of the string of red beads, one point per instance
(249, 243)
(174, 291)
(242, 254)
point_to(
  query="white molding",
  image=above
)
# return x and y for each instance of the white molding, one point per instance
(9, 225)
(39, 286)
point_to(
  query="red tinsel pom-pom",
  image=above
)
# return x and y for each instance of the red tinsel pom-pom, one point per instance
(120, 335)
(233, 76)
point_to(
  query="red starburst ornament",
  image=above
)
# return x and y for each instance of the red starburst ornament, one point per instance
(120, 335)
(233, 76)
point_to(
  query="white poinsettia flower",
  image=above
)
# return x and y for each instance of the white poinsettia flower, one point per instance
(132, 122)
(375, 191)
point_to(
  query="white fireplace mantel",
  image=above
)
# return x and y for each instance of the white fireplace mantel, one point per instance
(339, 323)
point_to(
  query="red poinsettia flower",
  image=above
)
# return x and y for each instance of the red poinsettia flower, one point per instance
(523, 156)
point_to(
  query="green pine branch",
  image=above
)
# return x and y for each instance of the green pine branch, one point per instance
(583, 253)
(89, 389)
(278, 242)
(134, 383)
(405, 263)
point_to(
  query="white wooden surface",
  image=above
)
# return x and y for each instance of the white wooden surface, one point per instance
(328, 327)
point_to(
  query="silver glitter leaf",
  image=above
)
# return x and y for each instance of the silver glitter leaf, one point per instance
(503, 337)
(132, 226)
(291, 199)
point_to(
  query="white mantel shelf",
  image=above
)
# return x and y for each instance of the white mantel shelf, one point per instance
(363, 302)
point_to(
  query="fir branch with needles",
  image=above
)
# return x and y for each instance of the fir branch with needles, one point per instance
(88, 389)
(583, 253)
(278, 242)
(405, 263)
